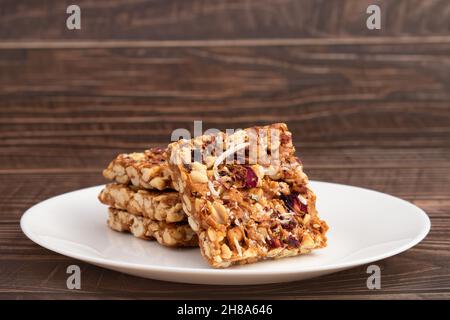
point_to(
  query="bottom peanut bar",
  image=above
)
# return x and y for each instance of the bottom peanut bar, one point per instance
(167, 234)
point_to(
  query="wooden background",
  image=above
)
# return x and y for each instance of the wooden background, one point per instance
(367, 108)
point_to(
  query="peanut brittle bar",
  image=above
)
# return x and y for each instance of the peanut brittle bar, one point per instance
(244, 211)
(268, 151)
(168, 234)
(156, 205)
(146, 170)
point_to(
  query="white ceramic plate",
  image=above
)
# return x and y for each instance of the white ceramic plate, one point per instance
(365, 226)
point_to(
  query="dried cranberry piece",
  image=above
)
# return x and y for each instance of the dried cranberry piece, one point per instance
(237, 174)
(292, 202)
(244, 176)
(293, 242)
(285, 138)
(289, 225)
(157, 150)
(273, 243)
(251, 179)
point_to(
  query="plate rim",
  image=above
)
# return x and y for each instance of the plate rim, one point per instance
(228, 271)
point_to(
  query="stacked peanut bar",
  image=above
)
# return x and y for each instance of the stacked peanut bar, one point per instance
(141, 202)
(241, 197)
(246, 196)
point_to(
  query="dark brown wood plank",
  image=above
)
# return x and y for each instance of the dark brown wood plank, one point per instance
(105, 101)
(229, 19)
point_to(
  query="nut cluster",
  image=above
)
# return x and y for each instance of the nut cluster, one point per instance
(246, 198)
(139, 169)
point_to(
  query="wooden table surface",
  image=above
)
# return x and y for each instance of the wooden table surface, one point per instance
(367, 108)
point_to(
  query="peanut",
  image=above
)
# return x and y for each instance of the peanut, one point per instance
(175, 216)
(197, 166)
(168, 240)
(199, 176)
(139, 199)
(220, 213)
(120, 196)
(211, 234)
(109, 174)
(186, 209)
(148, 173)
(226, 252)
(187, 202)
(137, 228)
(307, 242)
(137, 156)
(193, 224)
(133, 174)
(177, 234)
(206, 250)
(122, 179)
(158, 183)
(119, 170)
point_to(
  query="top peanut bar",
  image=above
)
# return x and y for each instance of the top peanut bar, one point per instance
(147, 170)
(246, 211)
(241, 159)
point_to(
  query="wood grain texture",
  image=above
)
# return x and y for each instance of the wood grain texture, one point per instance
(367, 109)
(228, 19)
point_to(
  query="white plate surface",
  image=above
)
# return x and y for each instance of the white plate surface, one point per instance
(365, 226)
